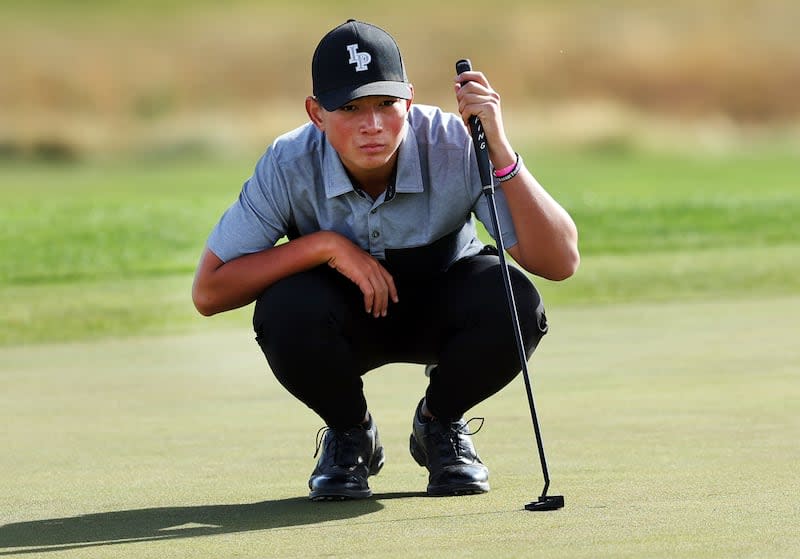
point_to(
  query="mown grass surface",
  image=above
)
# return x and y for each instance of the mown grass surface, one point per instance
(668, 428)
(61, 223)
(110, 249)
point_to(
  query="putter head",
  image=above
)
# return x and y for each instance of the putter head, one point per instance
(547, 502)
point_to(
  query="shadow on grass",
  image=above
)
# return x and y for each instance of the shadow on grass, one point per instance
(165, 523)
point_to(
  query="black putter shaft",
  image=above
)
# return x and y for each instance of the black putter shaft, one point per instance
(482, 153)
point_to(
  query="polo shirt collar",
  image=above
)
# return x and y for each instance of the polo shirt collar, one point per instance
(409, 170)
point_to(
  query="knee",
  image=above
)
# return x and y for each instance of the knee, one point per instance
(530, 309)
(283, 304)
(301, 306)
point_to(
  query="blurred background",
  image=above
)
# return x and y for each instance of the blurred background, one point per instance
(88, 79)
(669, 131)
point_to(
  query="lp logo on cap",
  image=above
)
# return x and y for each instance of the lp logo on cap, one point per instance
(360, 59)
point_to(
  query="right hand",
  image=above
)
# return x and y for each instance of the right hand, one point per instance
(374, 281)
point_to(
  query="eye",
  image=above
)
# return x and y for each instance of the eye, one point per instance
(389, 102)
(347, 108)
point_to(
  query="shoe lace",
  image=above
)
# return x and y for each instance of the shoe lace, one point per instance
(343, 440)
(470, 420)
(453, 434)
(320, 439)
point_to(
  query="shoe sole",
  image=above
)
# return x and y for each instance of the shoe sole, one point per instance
(474, 488)
(342, 496)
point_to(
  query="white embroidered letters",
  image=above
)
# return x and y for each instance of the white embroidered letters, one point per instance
(360, 59)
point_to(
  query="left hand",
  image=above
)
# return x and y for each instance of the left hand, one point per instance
(477, 98)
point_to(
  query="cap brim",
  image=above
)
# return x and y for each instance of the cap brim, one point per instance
(332, 100)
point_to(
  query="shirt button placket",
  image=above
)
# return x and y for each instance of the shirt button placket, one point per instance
(376, 246)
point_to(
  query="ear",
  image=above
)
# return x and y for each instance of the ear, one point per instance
(314, 111)
(410, 101)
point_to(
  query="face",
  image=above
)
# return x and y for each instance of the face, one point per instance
(365, 132)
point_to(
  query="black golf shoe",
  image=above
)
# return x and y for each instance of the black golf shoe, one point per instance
(444, 446)
(348, 458)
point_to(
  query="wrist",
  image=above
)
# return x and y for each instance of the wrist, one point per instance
(509, 172)
(502, 171)
(501, 153)
(326, 245)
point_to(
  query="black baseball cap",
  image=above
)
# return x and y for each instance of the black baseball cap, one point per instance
(354, 60)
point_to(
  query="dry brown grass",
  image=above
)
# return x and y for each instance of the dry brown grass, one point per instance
(235, 76)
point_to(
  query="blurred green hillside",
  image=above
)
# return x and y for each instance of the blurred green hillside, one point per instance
(83, 78)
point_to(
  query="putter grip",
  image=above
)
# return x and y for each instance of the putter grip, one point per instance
(478, 136)
(463, 65)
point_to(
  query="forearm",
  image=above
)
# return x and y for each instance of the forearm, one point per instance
(222, 286)
(547, 236)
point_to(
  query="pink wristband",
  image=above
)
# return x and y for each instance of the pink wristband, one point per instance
(506, 170)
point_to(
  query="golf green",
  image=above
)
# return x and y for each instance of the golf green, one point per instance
(670, 428)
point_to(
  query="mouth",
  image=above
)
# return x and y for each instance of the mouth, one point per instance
(372, 148)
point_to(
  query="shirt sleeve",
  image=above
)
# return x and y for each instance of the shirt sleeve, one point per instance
(258, 218)
(483, 211)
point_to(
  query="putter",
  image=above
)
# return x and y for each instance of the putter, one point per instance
(545, 501)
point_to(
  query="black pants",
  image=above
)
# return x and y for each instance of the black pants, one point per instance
(319, 340)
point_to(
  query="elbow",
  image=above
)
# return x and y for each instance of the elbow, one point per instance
(566, 267)
(554, 266)
(203, 303)
(205, 311)
(570, 260)
(204, 308)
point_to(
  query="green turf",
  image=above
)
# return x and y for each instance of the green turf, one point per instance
(667, 387)
(81, 243)
(669, 429)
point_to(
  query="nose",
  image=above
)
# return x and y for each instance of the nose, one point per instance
(372, 122)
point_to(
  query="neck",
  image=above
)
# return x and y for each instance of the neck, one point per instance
(375, 181)
(373, 188)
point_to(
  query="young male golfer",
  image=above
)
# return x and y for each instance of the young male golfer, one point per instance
(377, 197)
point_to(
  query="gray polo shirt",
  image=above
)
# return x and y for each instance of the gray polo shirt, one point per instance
(300, 186)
